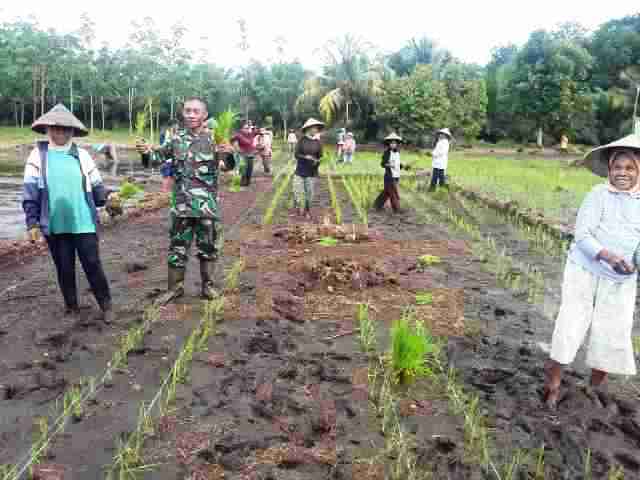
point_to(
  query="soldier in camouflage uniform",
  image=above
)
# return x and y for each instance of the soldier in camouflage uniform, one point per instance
(194, 210)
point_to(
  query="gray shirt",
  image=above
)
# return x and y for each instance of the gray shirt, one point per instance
(608, 220)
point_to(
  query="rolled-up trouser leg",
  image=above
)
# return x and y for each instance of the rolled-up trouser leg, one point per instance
(308, 183)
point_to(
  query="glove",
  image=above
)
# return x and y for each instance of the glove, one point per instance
(34, 234)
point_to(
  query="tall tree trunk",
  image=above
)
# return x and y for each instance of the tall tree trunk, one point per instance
(151, 121)
(91, 112)
(43, 87)
(158, 123)
(34, 91)
(15, 112)
(22, 115)
(284, 121)
(539, 138)
(102, 105)
(71, 92)
(173, 99)
(130, 111)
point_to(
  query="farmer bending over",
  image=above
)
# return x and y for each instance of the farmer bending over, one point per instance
(600, 276)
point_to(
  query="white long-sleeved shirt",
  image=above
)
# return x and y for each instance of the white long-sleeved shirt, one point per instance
(394, 164)
(606, 220)
(440, 154)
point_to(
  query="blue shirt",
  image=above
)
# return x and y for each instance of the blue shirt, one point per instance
(608, 220)
(69, 211)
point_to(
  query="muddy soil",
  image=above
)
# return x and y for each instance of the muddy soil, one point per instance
(44, 352)
(275, 396)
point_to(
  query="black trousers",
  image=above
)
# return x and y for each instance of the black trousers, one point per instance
(437, 177)
(63, 248)
(390, 192)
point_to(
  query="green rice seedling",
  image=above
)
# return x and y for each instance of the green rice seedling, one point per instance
(129, 190)
(408, 351)
(367, 328)
(8, 472)
(327, 242)
(224, 126)
(233, 275)
(151, 314)
(615, 473)
(428, 260)
(636, 344)
(401, 445)
(511, 470)
(212, 310)
(424, 298)
(235, 183)
(145, 421)
(588, 474)
(141, 123)
(268, 216)
(540, 471)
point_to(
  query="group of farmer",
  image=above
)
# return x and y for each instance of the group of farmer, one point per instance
(63, 189)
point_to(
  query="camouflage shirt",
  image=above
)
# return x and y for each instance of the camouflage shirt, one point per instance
(195, 170)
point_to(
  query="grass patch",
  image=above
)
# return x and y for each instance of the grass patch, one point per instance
(367, 327)
(428, 260)
(328, 242)
(424, 298)
(13, 136)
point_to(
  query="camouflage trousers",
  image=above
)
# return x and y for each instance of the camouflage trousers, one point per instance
(181, 234)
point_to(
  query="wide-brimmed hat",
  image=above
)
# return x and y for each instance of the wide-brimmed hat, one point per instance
(392, 137)
(597, 160)
(446, 132)
(312, 122)
(60, 116)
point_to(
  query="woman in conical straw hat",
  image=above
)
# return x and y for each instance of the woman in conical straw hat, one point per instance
(308, 155)
(392, 167)
(599, 286)
(62, 188)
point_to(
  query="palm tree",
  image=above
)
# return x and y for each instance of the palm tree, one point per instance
(350, 80)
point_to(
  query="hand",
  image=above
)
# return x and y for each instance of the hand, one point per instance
(619, 264)
(142, 146)
(34, 234)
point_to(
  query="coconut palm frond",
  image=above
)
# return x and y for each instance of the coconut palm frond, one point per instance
(331, 104)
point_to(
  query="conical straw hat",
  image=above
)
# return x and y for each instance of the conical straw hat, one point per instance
(597, 160)
(392, 136)
(59, 116)
(446, 131)
(312, 122)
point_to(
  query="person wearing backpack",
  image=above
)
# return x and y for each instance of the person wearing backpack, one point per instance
(62, 190)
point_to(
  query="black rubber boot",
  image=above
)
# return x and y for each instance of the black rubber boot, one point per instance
(175, 286)
(207, 291)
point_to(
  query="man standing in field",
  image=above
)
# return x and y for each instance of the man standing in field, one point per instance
(193, 206)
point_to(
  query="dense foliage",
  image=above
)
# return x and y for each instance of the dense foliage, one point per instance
(565, 80)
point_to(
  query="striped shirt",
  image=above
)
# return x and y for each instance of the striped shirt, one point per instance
(606, 220)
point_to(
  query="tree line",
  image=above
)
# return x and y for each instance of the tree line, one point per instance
(564, 80)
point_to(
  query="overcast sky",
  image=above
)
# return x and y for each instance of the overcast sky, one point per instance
(469, 29)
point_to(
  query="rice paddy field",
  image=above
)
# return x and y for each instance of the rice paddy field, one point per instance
(360, 345)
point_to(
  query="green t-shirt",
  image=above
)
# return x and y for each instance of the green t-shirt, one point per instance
(68, 208)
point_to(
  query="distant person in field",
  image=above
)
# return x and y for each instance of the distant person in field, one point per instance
(244, 143)
(292, 139)
(62, 190)
(264, 148)
(564, 144)
(110, 153)
(342, 133)
(391, 164)
(600, 276)
(349, 148)
(308, 155)
(440, 156)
